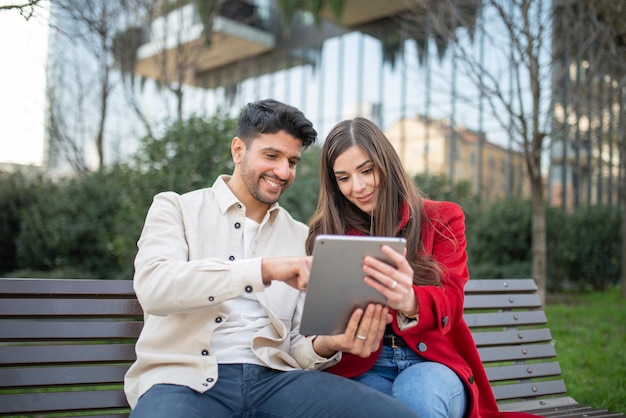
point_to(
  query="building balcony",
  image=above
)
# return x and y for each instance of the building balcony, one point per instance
(360, 12)
(177, 41)
(242, 32)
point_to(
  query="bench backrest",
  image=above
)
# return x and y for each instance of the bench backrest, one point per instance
(83, 332)
(509, 326)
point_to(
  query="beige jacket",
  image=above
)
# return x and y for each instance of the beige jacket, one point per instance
(185, 277)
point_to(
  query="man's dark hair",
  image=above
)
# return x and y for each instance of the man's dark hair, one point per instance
(270, 116)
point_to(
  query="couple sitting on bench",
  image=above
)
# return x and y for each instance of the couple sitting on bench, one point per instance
(220, 275)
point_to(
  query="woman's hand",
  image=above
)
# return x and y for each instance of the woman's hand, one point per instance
(395, 283)
(362, 336)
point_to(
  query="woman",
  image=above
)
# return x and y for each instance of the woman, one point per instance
(427, 357)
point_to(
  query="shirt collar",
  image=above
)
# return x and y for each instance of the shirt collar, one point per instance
(226, 199)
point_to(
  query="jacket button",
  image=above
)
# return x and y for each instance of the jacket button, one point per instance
(238, 205)
(248, 289)
(205, 384)
(210, 379)
(211, 298)
(237, 225)
(231, 258)
(205, 352)
(444, 321)
(218, 319)
(422, 347)
(471, 379)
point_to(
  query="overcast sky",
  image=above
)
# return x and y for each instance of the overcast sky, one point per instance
(23, 46)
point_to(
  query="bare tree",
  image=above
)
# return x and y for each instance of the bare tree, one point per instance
(608, 19)
(64, 127)
(525, 62)
(601, 27)
(622, 193)
(25, 8)
(88, 27)
(176, 57)
(519, 36)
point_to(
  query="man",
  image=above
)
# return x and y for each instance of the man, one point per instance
(218, 274)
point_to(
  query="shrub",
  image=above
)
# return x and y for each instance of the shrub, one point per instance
(500, 235)
(18, 191)
(583, 248)
(72, 226)
(301, 198)
(596, 238)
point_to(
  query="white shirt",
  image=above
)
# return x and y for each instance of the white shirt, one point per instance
(231, 340)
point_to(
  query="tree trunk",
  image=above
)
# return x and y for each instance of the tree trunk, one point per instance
(623, 284)
(539, 250)
(104, 98)
(622, 186)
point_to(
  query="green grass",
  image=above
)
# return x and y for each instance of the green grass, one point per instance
(589, 332)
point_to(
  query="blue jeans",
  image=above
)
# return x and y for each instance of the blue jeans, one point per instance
(246, 390)
(430, 389)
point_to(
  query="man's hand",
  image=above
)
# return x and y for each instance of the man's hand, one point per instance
(362, 336)
(292, 270)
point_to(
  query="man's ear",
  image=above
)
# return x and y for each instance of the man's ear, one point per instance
(237, 148)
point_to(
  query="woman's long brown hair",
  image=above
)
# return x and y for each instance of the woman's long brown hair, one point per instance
(335, 213)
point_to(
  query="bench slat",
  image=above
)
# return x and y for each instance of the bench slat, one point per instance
(511, 337)
(502, 301)
(505, 319)
(577, 411)
(527, 390)
(521, 352)
(517, 353)
(75, 329)
(500, 286)
(85, 287)
(523, 371)
(52, 354)
(555, 403)
(20, 377)
(69, 307)
(63, 401)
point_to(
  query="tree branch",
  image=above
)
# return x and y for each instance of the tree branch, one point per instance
(27, 10)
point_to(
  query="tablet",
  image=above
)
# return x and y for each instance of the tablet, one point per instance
(336, 287)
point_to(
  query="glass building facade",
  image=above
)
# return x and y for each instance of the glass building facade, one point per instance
(373, 61)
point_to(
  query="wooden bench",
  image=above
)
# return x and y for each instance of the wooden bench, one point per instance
(66, 344)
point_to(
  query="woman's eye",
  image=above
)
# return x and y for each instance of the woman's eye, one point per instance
(342, 179)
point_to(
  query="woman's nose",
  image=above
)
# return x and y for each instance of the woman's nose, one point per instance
(359, 184)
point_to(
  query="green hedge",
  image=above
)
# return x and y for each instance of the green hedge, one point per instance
(583, 247)
(89, 226)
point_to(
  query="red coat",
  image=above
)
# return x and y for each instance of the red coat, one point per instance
(441, 334)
